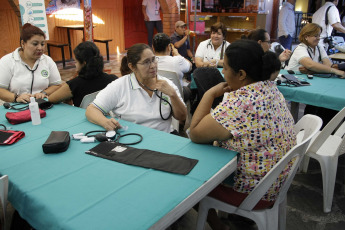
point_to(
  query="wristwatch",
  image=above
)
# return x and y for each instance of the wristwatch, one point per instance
(15, 97)
(44, 92)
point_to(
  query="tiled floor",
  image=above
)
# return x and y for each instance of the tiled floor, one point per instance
(304, 207)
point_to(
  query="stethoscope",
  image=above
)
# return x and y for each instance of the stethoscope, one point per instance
(208, 51)
(33, 75)
(160, 101)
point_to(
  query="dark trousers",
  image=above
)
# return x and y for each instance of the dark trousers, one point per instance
(150, 25)
(286, 42)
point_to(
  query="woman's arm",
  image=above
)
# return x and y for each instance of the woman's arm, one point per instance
(94, 115)
(203, 128)
(8, 96)
(308, 63)
(178, 107)
(62, 94)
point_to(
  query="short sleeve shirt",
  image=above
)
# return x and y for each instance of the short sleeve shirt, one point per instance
(177, 64)
(302, 51)
(319, 17)
(17, 77)
(262, 128)
(151, 7)
(182, 49)
(125, 97)
(207, 52)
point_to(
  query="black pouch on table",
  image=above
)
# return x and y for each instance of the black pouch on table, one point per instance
(57, 142)
(43, 104)
(143, 157)
(8, 137)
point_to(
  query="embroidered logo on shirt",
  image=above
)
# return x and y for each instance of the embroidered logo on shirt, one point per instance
(166, 98)
(45, 73)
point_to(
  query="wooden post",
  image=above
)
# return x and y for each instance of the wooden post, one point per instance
(275, 15)
(88, 24)
(14, 4)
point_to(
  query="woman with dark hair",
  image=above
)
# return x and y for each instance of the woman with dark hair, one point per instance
(253, 120)
(28, 72)
(263, 38)
(142, 97)
(91, 78)
(211, 52)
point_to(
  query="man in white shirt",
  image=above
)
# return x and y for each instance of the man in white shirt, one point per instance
(329, 21)
(152, 18)
(286, 24)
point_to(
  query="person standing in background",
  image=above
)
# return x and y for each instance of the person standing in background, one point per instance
(328, 18)
(180, 40)
(286, 24)
(152, 18)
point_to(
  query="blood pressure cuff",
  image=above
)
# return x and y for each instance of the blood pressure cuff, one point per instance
(8, 137)
(22, 116)
(143, 158)
(57, 142)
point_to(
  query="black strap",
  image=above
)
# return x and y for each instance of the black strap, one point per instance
(33, 74)
(326, 15)
(310, 54)
(222, 52)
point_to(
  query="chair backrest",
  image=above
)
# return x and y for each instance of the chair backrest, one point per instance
(172, 76)
(87, 99)
(337, 125)
(309, 125)
(205, 78)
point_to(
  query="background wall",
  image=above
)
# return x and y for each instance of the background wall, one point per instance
(111, 12)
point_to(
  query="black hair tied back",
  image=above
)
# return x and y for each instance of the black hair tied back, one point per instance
(270, 64)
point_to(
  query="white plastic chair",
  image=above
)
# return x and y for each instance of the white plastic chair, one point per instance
(172, 76)
(270, 218)
(3, 198)
(325, 148)
(87, 99)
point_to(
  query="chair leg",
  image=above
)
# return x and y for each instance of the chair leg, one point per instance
(107, 48)
(304, 164)
(329, 171)
(282, 215)
(63, 57)
(3, 196)
(202, 216)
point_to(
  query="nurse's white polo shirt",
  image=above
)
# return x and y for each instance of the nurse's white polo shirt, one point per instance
(17, 78)
(127, 98)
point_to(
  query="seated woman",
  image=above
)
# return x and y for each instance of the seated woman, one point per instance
(253, 120)
(91, 78)
(175, 63)
(309, 57)
(211, 52)
(142, 97)
(27, 71)
(263, 38)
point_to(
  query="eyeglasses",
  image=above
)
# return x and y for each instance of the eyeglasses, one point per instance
(316, 36)
(147, 63)
(269, 42)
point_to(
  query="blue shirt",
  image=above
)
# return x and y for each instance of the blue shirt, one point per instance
(183, 49)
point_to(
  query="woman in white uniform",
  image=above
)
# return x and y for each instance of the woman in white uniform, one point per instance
(142, 97)
(211, 52)
(309, 57)
(27, 71)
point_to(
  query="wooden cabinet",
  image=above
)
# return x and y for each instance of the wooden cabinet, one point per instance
(236, 23)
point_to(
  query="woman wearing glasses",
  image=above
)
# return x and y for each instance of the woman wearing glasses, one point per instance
(309, 57)
(211, 52)
(141, 97)
(263, 38)
(28, 72)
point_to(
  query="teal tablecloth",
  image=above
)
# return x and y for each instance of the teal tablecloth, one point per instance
(74, 190)
(323, 92)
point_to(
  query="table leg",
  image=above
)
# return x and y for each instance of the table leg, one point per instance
(294, 110)
(69, 43)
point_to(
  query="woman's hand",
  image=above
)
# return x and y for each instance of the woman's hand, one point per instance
(219, 90)
(285, 55)
(40, 95)
(110, 124)
(24, 98)
(165, 88)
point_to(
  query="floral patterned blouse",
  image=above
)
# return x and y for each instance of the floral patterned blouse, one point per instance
(262, 127)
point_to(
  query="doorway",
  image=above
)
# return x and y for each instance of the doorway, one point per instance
(134, 25)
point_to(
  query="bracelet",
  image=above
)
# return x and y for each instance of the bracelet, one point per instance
(15, 97)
